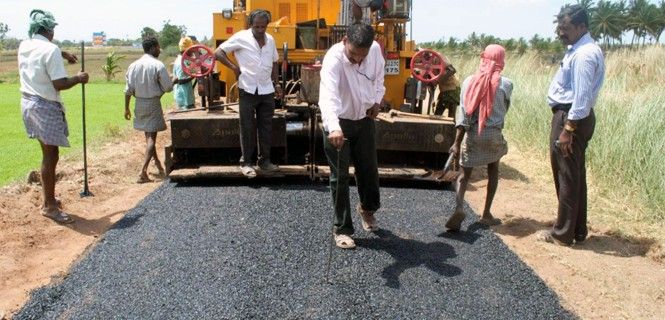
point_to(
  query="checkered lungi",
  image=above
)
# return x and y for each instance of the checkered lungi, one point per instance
(481, 150)
(45, 120)
(148, 115)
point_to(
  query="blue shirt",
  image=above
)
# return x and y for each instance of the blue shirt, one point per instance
(579, 78)
(182, 93)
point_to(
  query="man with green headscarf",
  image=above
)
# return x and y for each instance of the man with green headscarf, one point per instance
(43, 76)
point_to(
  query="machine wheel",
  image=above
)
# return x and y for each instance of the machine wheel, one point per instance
(198, 61)
(427, 65)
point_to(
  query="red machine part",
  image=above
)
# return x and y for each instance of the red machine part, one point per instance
(427, 65)
(198, 61)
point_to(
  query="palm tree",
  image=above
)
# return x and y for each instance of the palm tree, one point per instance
(650, 19)
(607, 21)
(635, 21)
(661, 27)
(586, 4)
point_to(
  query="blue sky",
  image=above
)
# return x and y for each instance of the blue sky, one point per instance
(433, 19)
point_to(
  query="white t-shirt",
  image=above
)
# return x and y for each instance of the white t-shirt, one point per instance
(40, 62)
(255, 62)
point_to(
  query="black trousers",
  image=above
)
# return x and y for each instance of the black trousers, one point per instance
(570, 178)
(256, 112)
(359, 150)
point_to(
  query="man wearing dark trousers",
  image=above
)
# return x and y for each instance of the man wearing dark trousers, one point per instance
(258, 87)
(572, 96)
(350, 95)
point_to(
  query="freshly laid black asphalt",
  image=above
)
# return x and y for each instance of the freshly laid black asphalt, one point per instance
(242, 251)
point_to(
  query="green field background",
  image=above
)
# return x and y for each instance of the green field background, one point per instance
(104, 119)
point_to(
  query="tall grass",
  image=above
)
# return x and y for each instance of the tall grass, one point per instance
(625, 156)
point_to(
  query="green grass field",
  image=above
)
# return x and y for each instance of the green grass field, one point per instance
(104, 110)
(104, 120)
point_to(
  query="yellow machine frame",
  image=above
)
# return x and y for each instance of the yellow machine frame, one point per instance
(286, 14)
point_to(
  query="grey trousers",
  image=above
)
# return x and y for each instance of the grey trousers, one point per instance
(256, 112)
(361, 150)
(570, 179)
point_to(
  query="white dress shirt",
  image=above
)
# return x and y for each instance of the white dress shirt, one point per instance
(255, 62)
(348, 90)
(147, 78)
(39, 63)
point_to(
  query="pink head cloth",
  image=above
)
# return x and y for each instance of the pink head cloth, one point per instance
(482, 88)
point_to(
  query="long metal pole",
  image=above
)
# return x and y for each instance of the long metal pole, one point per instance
(411, 20)
(318, 17)
(86, 191)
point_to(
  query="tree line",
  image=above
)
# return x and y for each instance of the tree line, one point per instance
(609, 23)
(168, 36)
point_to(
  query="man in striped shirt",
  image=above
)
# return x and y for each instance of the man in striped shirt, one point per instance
(572, 96)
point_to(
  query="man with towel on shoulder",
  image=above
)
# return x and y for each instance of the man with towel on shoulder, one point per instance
(43, 76)
(147, 80)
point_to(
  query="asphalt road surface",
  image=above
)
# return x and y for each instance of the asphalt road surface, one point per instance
(254, 250)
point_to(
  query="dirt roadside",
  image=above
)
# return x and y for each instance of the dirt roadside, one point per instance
(606, 277)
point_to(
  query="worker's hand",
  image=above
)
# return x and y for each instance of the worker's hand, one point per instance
(279, 93)
(565, 143)
(128, 114)
(454, 150)
(69, 57)
(336, 138)
(237, 72)
(373, 111)
(83, 77)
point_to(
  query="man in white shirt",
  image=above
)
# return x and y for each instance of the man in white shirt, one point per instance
(258, 88)
(350, 95)
(147, 80)
(43, 76)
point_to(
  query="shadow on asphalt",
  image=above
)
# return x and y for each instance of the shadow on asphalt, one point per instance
(468, 236)
(128, 221)
(408, 254)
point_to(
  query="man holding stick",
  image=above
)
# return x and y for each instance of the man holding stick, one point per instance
(351, 92)
(43, 76)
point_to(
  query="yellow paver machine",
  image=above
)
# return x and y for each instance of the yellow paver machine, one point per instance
(411, 143)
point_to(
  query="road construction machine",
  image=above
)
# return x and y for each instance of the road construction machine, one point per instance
(411, 142)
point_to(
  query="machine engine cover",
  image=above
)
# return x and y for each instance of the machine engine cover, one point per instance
(217, 131)
(415, 135)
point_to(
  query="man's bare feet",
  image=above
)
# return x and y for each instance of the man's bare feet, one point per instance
(160, 169)
(489, 220)
(57, 216)
(143, 178)
(454, 223)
